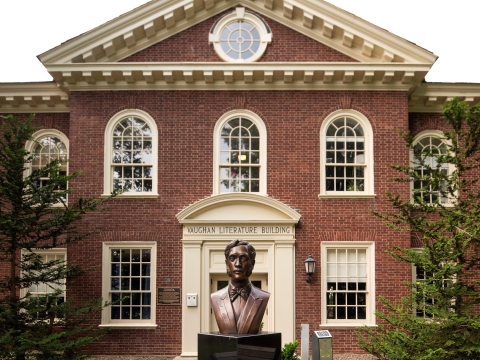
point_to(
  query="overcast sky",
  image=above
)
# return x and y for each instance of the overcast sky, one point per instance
(447, 28)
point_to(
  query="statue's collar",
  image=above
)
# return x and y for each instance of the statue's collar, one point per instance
(243, 291)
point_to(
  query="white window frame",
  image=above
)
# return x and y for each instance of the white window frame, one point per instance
(106, 271)
(369, 246)
(240, 15)
(44, 252)
(422, 135)
(108, 152)
(263, 148)
(369, 158)
(30, 145)
(415, 280)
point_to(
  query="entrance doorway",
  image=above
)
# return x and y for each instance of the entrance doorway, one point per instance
(208, 226)
(219, 281)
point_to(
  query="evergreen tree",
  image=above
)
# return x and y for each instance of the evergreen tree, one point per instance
(35, 216)
(440, 319)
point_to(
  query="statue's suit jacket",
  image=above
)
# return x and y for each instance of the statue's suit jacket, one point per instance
(250, 318)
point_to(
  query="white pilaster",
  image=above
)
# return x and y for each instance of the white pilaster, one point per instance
(191, 275)
(285, 299)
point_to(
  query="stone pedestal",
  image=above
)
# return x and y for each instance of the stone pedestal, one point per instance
(213, 346)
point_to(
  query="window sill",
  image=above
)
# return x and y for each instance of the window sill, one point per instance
(129, 326)
(133, 196)
(59, 205)
(347, 196)
(344, 326)
(419, 207)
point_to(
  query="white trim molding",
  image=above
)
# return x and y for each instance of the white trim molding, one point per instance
(262, 150)
(431, 134)
(238, 76)
(208, 225)
(366, 155)
(432, 97)
(240, 16)
(56, 252)
(364, 271)
(159, 20)
(106, 284)
(108, 153)
(30, 146)
(40, 97)
(266, 209)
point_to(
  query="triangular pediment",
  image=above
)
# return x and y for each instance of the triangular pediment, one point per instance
(368, 57)
(191, 45)
(161, 19)
(238, 208)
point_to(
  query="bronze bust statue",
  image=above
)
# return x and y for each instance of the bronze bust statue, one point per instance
(240, 306)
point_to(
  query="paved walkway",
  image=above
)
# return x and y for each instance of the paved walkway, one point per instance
(160, 357)
(134, 357)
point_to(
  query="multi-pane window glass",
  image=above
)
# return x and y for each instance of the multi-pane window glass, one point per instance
(423, 301)
(239, 156)
(130, 289)
(345, 156)
(44, 289)
(132, 160)
(426, 153)
(46, 150)
(240, 40)
(346, 292)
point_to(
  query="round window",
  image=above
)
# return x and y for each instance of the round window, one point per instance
(240, 36)
(240, 40)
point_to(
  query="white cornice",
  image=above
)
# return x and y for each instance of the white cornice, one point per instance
(160, 19)
(188, 214)
(227, 76)
(432, 97)
(129, 33)
(49, 98)
(343, 31)
(33, 98)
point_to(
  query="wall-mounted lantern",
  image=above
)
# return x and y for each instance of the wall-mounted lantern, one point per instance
(309, 267)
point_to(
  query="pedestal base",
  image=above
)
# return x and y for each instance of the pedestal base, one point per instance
(213, 346)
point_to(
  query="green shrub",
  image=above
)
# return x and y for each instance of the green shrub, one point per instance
(288, 351)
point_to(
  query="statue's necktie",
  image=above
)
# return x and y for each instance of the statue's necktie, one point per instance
(234, 292)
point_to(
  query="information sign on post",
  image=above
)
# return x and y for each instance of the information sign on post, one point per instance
(322, 345)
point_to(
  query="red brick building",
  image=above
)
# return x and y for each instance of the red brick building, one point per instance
(272, 121)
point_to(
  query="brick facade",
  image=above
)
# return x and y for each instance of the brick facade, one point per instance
(186, 121)
(192, 45)
(293, 121)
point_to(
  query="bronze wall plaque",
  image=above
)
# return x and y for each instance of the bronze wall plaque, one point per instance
(169, 296)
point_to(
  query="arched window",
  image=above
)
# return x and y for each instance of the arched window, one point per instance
(240, 36)
(240, 153)
(49, 145)
(346, 155)
(427, 147)
(131, 144)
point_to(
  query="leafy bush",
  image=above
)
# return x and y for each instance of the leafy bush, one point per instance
(288, 351)
(439, 318)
